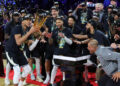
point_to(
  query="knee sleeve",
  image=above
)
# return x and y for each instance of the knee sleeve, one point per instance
(53, 74)
(55, 68)
(37, 60)
(26, 71)
(7, 70)
(16, 76)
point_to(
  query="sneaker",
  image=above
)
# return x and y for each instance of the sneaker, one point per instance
(53, 84)
(40, 76)
(47, 80)
(7, 82)
(24, 83)
(32, 77)
(39, 79)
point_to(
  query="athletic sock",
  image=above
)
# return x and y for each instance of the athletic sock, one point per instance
(47, 78)
(53, 74)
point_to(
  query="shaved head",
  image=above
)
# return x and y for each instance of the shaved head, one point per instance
(93, 42)
(92, 46)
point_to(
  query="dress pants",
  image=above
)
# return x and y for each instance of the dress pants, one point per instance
(107, 81)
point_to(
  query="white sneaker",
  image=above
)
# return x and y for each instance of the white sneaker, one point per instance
(32, 77)
(54, 84)
(47, 80)
(24, 83)
(7, 82)
(39, 79)
(41, 76)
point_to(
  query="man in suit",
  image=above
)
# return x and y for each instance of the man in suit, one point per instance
(110, 62)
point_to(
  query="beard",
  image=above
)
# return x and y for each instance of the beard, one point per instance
(60, 27)
(88, 30)
(89, 34)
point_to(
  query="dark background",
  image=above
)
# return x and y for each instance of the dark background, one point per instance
(46, 4)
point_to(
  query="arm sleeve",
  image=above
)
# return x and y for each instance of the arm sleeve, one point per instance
(33, 45)
(68, 41)
(74, 14)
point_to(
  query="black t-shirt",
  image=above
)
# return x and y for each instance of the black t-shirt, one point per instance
(75, 49)
(101, 38)
(83, 16)
(9, 26)
(8, 29)
(76, 29)
(51, 24)
(11, 45)
(38, 50)
(60, 46)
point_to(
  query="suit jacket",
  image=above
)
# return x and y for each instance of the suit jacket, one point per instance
(109, 59)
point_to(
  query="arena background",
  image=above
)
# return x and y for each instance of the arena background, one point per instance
(46, 4)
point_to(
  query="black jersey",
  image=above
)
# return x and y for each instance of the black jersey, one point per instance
(51, 24)
(15, 53)
(11, 44)
(101, 38)
(38, 51)
(60, 46)
(75, 49)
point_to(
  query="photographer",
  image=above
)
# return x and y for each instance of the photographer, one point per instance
(113, 19)
(99, 8)
(117, 31)
(83, 14)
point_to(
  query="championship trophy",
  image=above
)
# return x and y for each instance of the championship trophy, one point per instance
(40, 19)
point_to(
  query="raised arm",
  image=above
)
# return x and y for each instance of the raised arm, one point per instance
(21, 39)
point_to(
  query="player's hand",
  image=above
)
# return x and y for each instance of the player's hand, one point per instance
(61, 35)
(43, 41)
(116, 76)
(77, 42)
(116, 37)
(48, 35)
(34, 29)
(113, 45)
(44, 33)
(79, 6)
